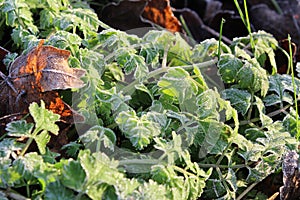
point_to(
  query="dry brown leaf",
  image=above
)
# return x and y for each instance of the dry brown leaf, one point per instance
(160, 12)
(34, 76)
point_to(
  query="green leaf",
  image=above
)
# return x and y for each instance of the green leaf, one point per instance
(65, 40)
(9, 176)
(18, 13)
(159, 118)
(253, 79)
(178, 84)
(248, 150)
(179, 52)
(139, 130)
(56, 191)
(98, 135)
(172, 150)
(150, 190)
(265, 44)
(208, 48)
(151, 54)
(189, 187)
(8, 147)
(143, 88)
(23, 38)
(84, 19)
(72, 148)
(239, 99)
(280, 90)
(265, 120)
(161, 39)
(93, 62)
(42, 140)
(132, 62)
(228, 67)
(232, 179)
(211, 137)
(50, 157)
(47, 17)
(44, 119)
(114, 39)
(116, 71)
(188, 127)
(241, 53)
(207, 103)
(34, 170)
(19, 128)
(102, 174)
(9, 59)
(290, 123)
(73, 176)
(117, 100)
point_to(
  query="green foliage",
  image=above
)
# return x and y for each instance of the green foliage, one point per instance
(282, 89)
(239, 99)
(154, 129)
(140, 130)
(178, 84)
(44, 123)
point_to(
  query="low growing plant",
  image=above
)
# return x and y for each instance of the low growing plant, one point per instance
(157, 125)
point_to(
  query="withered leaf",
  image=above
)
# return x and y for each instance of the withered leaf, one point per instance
(160, 12)
(130, 14)
(34, 76)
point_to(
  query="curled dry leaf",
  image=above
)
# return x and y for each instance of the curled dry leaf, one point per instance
(34, 76)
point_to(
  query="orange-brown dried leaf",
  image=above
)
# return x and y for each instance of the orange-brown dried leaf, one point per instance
(34, 76)
(160, 12)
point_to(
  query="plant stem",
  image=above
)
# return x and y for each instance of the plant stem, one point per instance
(271, 114)
(246, 191)
(182, 171)
(277, 7)
(248, 26)
(294, 86)
(251, 107)
(161, 70)
(245, 20)
(165, 57)
(27, 189)
(240, 11)
(220, 37)
(139, 161)
(29, 141)
(222, 166)
(185, 27)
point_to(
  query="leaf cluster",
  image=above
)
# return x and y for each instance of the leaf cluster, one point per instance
(155, 127)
